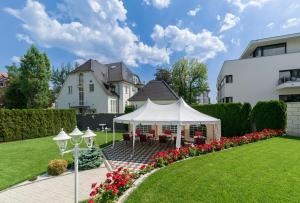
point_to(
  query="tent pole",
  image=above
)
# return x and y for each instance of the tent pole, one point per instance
(113, 134)
(133, 138)
(178, 136)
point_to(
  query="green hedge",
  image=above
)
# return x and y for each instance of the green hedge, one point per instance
(234, 117)
(270, 114)
(26, 124)
(129, 109)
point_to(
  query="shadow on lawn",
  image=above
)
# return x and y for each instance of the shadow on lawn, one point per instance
(290, 137)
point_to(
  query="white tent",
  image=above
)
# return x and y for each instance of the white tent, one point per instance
(179, 113)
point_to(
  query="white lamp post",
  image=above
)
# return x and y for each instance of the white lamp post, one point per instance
(76, 137)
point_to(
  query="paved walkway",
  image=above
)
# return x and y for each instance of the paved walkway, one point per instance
(55, 190)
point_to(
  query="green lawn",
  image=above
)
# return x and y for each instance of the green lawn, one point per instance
(267, 171)
(22, 160)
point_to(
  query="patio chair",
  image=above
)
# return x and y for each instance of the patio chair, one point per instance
(162, 139)
(138, 132)
(143, 138)
(168, 132)
(126, 137)
(151, 135)
(199, 138)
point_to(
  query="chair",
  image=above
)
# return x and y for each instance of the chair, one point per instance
(151, 135)
(162, 139)
(168, 132)
(126, 137)
(138, 132)
(152, 132)
(143, 138)
(198, 134)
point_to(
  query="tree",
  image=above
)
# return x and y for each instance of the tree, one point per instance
(29, 84)
(163, 74)
(189, 79)
(59, 76)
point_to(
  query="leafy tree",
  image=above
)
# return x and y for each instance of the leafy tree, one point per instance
(59, 76)
(189, 79)
(29, 84)
(163, 74)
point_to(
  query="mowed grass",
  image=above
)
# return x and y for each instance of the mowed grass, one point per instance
(21, 160)
(266, 171)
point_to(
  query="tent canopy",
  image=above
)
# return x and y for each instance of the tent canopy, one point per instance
(171, 114)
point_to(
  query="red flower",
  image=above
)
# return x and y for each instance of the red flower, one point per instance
(91, 201)
(94, 185)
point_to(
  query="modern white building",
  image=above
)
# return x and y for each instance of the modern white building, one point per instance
(268, 69)
(98, 88)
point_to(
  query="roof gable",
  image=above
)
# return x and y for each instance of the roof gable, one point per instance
(155, 90)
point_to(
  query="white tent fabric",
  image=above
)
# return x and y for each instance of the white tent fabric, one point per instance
(178, 113)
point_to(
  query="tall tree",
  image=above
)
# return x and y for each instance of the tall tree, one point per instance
(59, 76)
(189, 79)
(163, 74)
(30, 82)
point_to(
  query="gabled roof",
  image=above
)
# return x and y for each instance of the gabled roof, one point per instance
(3, 75)
(156, 91)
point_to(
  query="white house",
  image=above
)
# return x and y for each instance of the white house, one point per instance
(268, 69)
(98, 88)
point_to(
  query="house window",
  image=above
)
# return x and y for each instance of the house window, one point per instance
(70, 89)
(290, 98)
(113, 106)
(1, 84)
(144, 128)
(173, 128)
(228, 99)
(80, 78)
(126, 89)
(228, 78)
(91, 87)
(81, 96)
(270, 50)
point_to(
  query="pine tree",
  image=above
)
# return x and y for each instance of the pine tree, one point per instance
(89, 159)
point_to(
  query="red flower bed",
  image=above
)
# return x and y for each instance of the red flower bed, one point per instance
(120, 180)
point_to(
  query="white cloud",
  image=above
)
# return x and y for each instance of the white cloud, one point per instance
(15, 59)
(25, 38)
(218, 17)
(194, 11)
(160, 4)
(271, 25)
(243, 4)
(203, 45)
(236, 42)
(292, 22)
(294, 6)
(92, 29)
(229, 22)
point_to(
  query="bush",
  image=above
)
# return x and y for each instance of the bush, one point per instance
(129, 109)
(57, 167)
(18, 124)
(269, 114)
(89, 159)
(234, 117)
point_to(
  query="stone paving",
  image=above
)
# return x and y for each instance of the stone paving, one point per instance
(55, 190)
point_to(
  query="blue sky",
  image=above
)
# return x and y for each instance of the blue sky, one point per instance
(145, 33)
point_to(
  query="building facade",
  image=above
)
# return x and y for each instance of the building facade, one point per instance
(203, 98)
(98, 88)
(268, 69)
(3, 85)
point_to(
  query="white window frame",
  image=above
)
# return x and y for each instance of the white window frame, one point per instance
(113, 106)
(70, 89)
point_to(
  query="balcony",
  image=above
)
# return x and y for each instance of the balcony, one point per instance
(288, 82)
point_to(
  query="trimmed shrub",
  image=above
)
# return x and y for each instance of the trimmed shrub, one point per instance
(129, 109)
(18, 124)
(57, 167)
(234, 117)
(89, 159)
(269, 114)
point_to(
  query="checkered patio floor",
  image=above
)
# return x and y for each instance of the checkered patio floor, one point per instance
(121, 154)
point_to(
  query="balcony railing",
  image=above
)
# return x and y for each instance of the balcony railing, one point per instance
(288, 79)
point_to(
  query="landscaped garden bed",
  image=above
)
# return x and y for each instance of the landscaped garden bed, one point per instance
(120, 180)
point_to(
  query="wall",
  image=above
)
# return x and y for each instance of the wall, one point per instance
(293, 118)
(256, 79)
(96, 100)
(123, 95)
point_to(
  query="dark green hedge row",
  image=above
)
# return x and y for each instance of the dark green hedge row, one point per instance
(234, 117)
(26, 124)
(237, 119)
(129, 109)
(271, 114)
